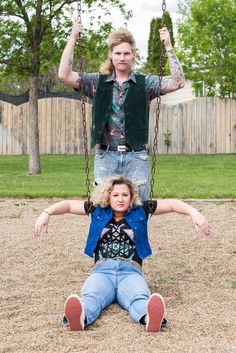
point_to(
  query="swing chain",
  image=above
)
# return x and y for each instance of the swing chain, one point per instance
(158, 111)
(156, 129)
(163, 7)
(84, 127)
(79, 10)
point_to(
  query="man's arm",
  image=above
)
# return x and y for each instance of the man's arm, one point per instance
(65, 72)
(176, 80)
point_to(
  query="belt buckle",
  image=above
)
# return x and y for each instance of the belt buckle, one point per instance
(121, 148)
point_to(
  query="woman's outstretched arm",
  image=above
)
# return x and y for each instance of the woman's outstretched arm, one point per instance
(61, 207)
(178, 206)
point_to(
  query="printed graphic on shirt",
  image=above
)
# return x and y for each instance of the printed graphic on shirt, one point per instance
(116, 240)
(114, 131)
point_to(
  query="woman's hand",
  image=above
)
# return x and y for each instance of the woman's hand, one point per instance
(41, 222)
(200, 223)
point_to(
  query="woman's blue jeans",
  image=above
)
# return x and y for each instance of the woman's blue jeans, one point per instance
(115, 281)
(132, 165)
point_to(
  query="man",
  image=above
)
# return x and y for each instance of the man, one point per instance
(121, 99)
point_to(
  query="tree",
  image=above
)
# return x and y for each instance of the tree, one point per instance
(207, 44)
(32, 39)
(12, 84)
(154, 44)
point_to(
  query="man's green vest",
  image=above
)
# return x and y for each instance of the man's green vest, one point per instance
(135, 107)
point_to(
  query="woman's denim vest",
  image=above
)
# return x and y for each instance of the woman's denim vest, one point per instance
(137, 220)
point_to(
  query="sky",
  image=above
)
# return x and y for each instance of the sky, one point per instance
(139, 25)
(143, 12)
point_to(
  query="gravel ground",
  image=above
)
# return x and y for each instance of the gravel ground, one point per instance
(195, 275)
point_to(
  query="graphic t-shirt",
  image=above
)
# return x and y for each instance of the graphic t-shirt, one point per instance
(117, 238)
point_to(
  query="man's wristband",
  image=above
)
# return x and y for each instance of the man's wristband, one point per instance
(46, 212)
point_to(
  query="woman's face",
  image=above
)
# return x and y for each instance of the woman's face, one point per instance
(120, 198)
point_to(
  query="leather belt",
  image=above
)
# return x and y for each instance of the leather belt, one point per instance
(120, 258)
(122, 148)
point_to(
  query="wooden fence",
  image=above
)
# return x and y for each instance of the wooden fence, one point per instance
(200, 126)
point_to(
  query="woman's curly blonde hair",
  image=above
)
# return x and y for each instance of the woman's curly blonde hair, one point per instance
(122, 35)
(101, 195)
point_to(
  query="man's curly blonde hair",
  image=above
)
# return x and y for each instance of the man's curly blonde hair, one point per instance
(122, 35)
(101, 195)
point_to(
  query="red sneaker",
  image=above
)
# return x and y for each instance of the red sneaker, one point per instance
(74, 313)
(155, 313)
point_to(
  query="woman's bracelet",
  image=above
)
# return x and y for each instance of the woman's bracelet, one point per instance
(46, 212)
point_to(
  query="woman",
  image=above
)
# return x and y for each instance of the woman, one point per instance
(118, 241)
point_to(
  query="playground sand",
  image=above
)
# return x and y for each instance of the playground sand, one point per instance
(196, 276)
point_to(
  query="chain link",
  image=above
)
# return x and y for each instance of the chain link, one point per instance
(158, 110)
(84, 125)
(79, 9)
(163, 7)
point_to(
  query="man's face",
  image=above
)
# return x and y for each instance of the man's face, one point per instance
(122, 57)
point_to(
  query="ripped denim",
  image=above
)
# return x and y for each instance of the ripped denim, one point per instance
(132, 165)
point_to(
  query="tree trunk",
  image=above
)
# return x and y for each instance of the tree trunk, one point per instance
(33, 128)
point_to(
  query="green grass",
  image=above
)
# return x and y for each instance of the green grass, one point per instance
(180, 176)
